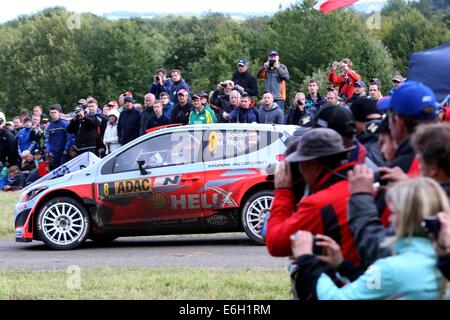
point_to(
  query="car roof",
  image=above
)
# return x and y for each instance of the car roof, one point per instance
(229, 126)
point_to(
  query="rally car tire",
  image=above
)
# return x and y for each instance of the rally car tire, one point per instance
(63, 223)
(253, 213)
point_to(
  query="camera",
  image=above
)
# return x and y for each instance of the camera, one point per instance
(224, 85)
(431, 225)
(157, 78)
(272, 63)
(300, 102)
(317, 250)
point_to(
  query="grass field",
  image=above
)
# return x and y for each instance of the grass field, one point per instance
(136, 283)
(8, 201)
(148, 284)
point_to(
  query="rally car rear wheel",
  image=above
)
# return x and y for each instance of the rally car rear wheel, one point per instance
(254, 210)
(63, 223)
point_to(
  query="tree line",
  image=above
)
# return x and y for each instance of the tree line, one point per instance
(43, 61)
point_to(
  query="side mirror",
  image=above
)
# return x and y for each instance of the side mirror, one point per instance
(141, 164)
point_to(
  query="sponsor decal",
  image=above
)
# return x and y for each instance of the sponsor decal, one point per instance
(217, 220)
(194, 201)
(124, 187)
(166, 181)
(158, 201)
(217, 200)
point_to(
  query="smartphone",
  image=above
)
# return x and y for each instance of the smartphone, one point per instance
(317, 250)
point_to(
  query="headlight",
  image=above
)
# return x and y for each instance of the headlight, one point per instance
(27, 196)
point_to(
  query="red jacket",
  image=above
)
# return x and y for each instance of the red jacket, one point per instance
(323, 212)
(346, 84)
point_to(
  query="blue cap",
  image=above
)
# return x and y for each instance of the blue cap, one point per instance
(273, 53)
(412, 99)
(242, 62)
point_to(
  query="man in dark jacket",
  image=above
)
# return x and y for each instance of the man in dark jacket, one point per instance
(313, 100)
(147, 113)
(297, 112)
(86, 130)
(412, 104)
(320, 159)
(360, 92)
(129, 123)
(8, 147)
(182, 109)
(244, 80)
(177, 84)
(160, 83)
(244, 113)
(364, 110)
(57, 140)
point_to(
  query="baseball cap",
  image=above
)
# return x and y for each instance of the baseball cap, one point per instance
(412, 99)
(398, 78)
(360, 84)
(128, 99)
(332, 87)
(363, 107)
(337, 118)
(82, 102)
(318, 143)
(197, 96)
(56, 107)
(183, 91)
(242, 62)
(78, 109)
(272, 53)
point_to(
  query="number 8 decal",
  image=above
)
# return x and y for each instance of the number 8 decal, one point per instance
(212, 145)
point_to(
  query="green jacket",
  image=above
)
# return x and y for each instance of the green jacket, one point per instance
(203, 117)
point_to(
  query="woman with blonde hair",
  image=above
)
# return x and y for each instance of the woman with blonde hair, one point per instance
(411, 273)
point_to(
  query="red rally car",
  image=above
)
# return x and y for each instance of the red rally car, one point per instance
(174, 180)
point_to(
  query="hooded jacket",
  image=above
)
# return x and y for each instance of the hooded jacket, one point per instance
(322, 212)
(8, 147)
(274, 115)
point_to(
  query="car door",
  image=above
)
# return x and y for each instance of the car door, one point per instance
(166, 187)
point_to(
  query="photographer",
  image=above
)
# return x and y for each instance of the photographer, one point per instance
(410, 274)
(275, 75)
(160, 83)
(346, 80)
(220, 99)
(320, 159)
(413, 104)
(86, 130)
(298, 110)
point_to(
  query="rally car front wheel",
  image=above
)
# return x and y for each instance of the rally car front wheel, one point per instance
(63, 223)
(254, 210)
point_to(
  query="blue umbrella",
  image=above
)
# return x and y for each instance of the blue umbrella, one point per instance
(432, 67)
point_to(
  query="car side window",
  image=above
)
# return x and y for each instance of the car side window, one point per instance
(165, 150)
(226, 144)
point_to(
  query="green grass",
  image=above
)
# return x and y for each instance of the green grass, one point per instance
(149, 284)
(8, 201)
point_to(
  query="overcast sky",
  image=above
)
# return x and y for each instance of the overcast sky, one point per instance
(12, 9)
